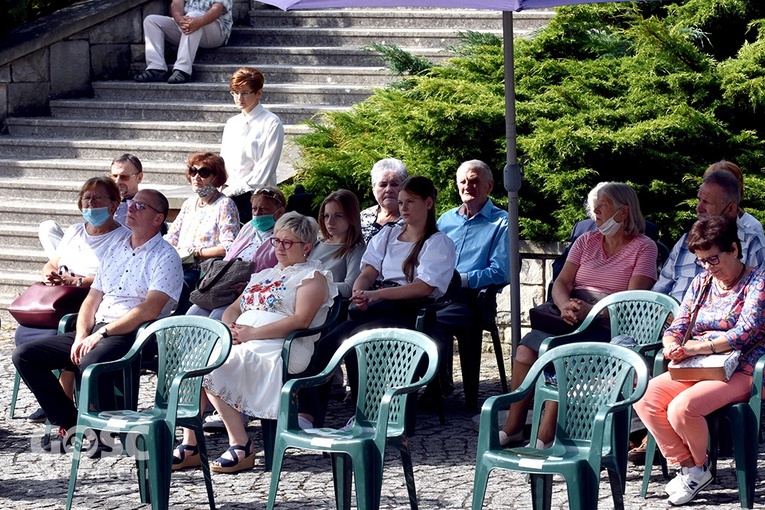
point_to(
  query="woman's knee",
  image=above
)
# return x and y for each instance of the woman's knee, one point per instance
(525, 355)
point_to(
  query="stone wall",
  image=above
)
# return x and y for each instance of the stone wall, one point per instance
(60, 55)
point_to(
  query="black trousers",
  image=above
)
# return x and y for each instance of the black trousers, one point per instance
(244, 206)
(36, 360)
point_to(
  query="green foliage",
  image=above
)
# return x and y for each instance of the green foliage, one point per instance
(400, 62)
(20, 12)
(648, 94)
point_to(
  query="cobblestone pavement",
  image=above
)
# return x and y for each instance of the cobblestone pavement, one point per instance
(444, 460)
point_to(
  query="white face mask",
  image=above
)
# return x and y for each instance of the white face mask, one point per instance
(610, 226)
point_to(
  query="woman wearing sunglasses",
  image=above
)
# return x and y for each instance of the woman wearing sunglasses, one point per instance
(296, 294)
(207, 223)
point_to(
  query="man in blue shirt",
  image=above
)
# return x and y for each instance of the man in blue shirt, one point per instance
(479, 231)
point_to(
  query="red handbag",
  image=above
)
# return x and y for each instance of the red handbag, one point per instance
(43, 306)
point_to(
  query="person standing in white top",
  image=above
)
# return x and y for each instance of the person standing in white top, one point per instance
(252, 141)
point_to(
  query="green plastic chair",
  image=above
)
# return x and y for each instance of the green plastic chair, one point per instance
(595, 381)
(188, 347)
(388, 361)
(267, 426)
(745, 419)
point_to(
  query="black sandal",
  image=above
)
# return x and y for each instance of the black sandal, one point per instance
(225, 465)
(183, 461)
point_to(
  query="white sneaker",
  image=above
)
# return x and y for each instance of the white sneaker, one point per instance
(539, 445)
(505, 440)
(676, 482)
(690, 485)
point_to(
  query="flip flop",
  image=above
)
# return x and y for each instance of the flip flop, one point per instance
(183, 461)
(224, 465)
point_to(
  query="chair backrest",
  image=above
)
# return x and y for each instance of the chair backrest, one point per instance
(591, 376)
(389, 358)
(186, 344)
(641, 314)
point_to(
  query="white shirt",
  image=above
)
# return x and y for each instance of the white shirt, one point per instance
(435, 266)
(126, 276)
(251, 148)
(81, 252)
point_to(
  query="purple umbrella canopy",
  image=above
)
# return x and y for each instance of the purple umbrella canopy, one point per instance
(512, 172)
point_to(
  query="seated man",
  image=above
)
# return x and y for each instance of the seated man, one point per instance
(191, 24)
(138, 280)
(479, 231)
(718, 195)
(127, 173)
(743, 217)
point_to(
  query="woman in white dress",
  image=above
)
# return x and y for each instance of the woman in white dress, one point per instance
(296, 294)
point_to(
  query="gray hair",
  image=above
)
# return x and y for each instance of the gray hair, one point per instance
(389, 165)
(727, 182)
(478, 166)
(621, 195)
(303, 227)
(592, 200)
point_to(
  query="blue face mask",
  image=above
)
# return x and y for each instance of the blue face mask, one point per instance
(97, 216)
(263, 223)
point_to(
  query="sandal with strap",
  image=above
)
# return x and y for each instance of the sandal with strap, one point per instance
(224, 465)
(182, 460)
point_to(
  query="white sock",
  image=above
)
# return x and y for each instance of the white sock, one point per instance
(696, 470)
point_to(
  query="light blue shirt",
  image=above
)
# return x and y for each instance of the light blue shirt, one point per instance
(482, 244)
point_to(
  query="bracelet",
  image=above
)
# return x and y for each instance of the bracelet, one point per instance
(712, 346)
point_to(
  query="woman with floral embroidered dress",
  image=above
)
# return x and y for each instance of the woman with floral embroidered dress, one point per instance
(296, 294)
(727, 300)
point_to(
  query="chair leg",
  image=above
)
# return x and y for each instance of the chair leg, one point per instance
(541, 492)
(500, 358)
(342, 469)
(583, 494)
(650, 451)
(199, 434)
(160, 462)
(402, 444)
(744, 455)
(14, 394)
(142, 468)
(278, 455)
(480, 481)
(76, 452)
(617, 483)
(367, 471)
(268, 428)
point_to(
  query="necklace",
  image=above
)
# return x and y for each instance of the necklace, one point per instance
(735, 282)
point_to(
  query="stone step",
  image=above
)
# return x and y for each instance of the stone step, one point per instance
(13, 283)
(77, 171)
(256, 56)
(177, 111)
(340, 95)
(455, 19)
(65, 191)
(19, 236)
(404, 37)
(314, 75)
(22, 261)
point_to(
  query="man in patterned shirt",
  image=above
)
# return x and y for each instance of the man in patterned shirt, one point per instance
(138, 280)
(191, 24)
(719, 195)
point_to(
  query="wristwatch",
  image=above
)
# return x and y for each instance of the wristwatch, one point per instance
(103, 332)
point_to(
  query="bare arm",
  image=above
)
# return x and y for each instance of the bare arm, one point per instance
(189, 25)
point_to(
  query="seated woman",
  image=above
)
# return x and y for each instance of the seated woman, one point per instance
(78, 253)
(206, 224)
(252, 242)
(616, 257)
(400, 264)
(342, 247)
(387, 176)
(729, 297)
(295, 294)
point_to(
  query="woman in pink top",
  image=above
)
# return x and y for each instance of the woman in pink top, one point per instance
(616, 257)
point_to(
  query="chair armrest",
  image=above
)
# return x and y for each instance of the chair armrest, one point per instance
(67, 323)
(548, 343)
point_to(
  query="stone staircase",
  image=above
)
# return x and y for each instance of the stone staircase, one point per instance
(313, 62)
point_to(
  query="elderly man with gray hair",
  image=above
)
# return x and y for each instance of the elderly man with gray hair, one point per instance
(479, 230)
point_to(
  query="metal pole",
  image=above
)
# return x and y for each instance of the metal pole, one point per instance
(512, 178)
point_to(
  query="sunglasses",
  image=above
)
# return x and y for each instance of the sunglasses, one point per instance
(203, 172)
(140, 206)
(268, 193)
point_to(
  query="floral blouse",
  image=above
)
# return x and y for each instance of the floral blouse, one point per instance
(216, 224)
(369, 225)
(734, 314)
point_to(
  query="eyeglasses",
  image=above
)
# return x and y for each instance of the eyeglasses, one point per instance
(94, 198)
(203, 172)
(140, 206)
(123, 177)
(333, 216)
(243, 93)
(275, 242)
(712, 261)
(269, 193)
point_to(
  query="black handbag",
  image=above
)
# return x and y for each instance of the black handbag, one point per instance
(546, 317)
(215, 288)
